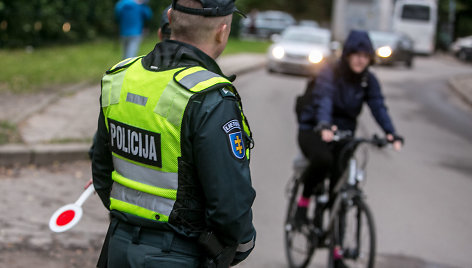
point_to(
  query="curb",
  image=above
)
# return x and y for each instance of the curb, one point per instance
(454, 84)
(45, 154)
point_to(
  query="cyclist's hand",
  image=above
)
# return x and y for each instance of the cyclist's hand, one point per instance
(396, 141)
(327, 134)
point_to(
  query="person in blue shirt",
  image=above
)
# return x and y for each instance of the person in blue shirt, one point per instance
(131, 16)
(335, 101)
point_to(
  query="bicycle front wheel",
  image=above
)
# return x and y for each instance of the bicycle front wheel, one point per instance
(299, 243)
(354, 233)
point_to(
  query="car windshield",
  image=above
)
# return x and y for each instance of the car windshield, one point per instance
(272, 17)
(416, 12)
(382, 39)
(304, 36)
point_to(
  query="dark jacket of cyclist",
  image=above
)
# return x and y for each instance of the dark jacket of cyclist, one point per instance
(340, 93)
(336, 99)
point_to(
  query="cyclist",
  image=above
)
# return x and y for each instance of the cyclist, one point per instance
(335, 101)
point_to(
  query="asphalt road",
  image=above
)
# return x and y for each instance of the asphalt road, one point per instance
(420, 197)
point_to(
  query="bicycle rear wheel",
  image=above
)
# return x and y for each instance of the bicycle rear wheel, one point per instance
(354, 233)
(299, 240)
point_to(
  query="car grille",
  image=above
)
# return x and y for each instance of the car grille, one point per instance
(296, 57)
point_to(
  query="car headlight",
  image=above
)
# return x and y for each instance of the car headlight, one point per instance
(278, 52)
(384, 52)
(315, 56)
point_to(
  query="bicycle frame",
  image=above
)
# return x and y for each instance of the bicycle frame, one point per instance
(345, 189)
(346, 193)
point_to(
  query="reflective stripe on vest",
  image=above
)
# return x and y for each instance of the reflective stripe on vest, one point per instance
(139, 203)
(197, 79)
(145, 175)
(140, 187)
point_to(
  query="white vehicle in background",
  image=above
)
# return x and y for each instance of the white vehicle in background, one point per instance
(264, 24)
(462, 48)
(417, 19)
(300, 50)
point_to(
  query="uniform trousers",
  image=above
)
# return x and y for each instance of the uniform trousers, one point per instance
(138, 247)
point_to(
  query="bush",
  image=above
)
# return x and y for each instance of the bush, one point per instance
(42, 22)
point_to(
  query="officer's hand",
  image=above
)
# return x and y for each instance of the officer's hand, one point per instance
(88, 184)
(396, 141)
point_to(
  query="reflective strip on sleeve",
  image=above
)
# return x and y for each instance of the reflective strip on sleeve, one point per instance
(246, 246)
(145, 175)
(136, 198)
(153, 190)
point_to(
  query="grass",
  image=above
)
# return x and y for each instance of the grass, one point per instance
(30, 71)
(8, 133)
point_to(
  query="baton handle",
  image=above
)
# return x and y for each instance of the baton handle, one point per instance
(85, 195)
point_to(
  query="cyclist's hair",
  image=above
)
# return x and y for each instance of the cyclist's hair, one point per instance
(193, 27)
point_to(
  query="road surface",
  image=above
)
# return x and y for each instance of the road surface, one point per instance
(420, 197)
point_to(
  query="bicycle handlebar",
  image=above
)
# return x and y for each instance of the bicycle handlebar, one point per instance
(352, 143)
(346, 135)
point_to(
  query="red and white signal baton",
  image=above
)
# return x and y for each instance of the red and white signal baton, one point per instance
(69, 215)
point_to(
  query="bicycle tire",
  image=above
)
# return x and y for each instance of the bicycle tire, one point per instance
(297, 256)
(353, 229)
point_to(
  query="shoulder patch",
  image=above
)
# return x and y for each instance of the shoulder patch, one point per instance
(232, 129)
(237, 144)
(231, 125)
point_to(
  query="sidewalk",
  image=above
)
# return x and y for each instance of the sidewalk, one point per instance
(59, 127)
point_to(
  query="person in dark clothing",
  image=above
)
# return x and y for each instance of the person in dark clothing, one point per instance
(336, 101)
(171, 157)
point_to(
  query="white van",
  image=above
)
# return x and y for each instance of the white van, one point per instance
(417, 19)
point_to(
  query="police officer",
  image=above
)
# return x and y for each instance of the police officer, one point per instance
(171, 160)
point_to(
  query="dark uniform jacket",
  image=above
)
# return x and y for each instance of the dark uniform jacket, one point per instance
(214, 191)
(339, 94)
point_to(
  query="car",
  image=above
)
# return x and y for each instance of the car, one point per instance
(392, 47)
(300, 50)
(462, 48)
(311, 23)
(465, 53)
(266, 23)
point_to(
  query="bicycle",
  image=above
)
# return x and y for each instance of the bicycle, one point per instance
(349, 228)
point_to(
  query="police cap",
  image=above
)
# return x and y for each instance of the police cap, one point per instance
(211, 8)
